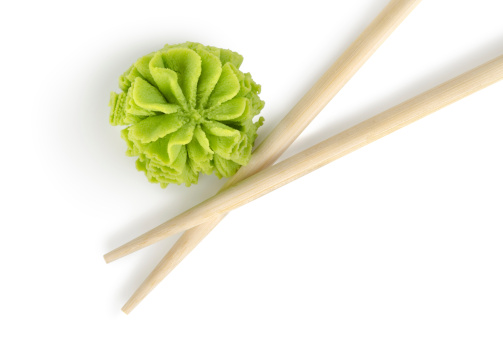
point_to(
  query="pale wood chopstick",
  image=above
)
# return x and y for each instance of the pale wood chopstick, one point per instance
(287, 131)
(331, 149)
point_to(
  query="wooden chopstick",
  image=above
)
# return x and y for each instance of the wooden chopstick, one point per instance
(335, 147)
(288, 130)
(327, 151)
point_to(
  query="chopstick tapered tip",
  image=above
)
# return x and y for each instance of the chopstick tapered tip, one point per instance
(125, 249)
(126, 310)
(130, 305)
(108, 258)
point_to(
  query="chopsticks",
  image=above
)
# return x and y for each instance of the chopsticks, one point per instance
(285, 132)
(339, 145)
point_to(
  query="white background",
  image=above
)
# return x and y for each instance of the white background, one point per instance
(401, 240)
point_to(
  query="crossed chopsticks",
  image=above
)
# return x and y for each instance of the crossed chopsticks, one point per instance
(259, 177)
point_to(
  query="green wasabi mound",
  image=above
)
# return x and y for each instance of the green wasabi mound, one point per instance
(189, 110)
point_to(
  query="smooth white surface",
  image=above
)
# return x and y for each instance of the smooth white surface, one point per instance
(401, 240)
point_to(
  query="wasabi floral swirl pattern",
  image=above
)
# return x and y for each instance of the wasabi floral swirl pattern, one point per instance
(189, 109)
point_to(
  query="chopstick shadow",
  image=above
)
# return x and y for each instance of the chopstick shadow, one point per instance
(435, 77)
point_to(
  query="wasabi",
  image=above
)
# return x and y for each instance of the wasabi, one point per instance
(188, 110)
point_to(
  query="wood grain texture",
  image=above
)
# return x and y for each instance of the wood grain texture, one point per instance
(279, 139)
